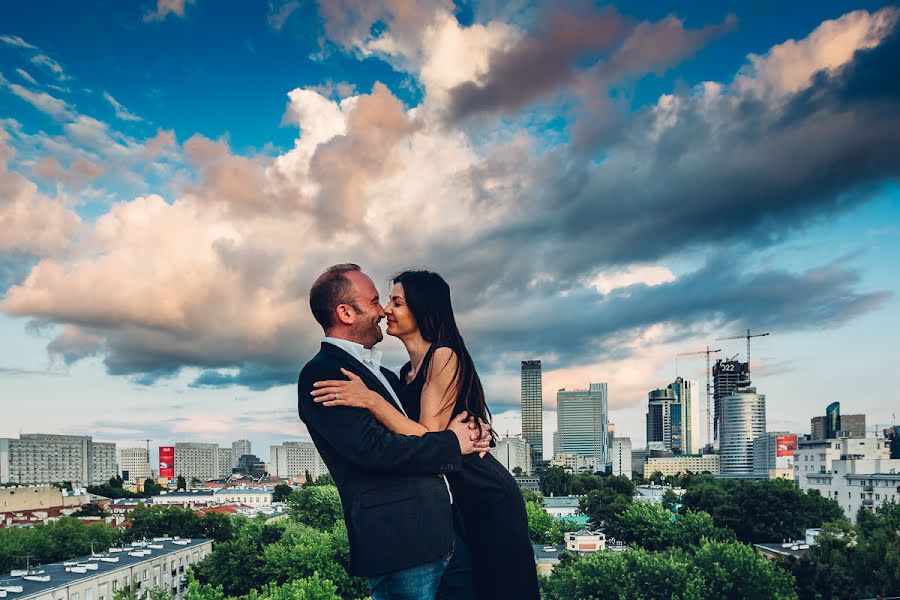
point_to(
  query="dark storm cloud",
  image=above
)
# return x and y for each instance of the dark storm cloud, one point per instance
(551, 58)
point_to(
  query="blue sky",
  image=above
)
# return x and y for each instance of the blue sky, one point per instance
(602, 185)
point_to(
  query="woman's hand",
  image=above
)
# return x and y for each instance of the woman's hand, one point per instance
(345, 393)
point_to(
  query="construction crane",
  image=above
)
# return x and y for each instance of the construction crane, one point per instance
(707, 352)
(746, 336)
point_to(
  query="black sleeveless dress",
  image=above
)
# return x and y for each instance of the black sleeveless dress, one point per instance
(491, 509)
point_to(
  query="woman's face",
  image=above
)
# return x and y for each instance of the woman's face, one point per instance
(400, 320)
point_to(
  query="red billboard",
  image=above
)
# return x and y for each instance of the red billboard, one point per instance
(167, 462)
(785, 445)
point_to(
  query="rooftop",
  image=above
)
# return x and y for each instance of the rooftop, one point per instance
(48, 577)
(562, 502)
(792, 550)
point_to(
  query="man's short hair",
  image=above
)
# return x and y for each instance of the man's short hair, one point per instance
(330, 290)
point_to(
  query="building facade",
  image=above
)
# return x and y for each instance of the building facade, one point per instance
(813, 457)
(621, 456)
(134, 465)
(225, 460)
(238, 449)
(857, 483)
(582, 417)
(160, 564)
(37, 458)
(513, 452)
(296, 459)
(532, 409)
(728, 376)
(743, 420)
(817, 428)
(682, 464)
(659, 418)
(638, 461)
(194, 460)
(686, 392)
(854, 425)
(773, 455)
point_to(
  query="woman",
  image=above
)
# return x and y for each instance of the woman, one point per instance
(438, 383)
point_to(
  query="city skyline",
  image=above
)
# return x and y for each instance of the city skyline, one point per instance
(169, 206)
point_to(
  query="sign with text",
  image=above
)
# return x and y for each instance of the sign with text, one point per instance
(167, 462)
(785, 445)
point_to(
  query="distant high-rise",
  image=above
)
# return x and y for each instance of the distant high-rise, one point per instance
(51, 458)
(743, 414)
(582, 422)
(686, 392)
(197, 461)
(238, 449)
(659, 418)
(532, 407)
(225, 460)
(854, 425)
(832, 420)
(134, 464)
(817, 428)
(621, 456)
(728, 375)
(295, 459)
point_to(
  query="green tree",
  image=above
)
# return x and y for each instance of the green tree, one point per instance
(670, 499)
(316, 506)
(151, 488)
(325, 479)
(181, 483)
(518, 472)
(90, 510)
(653, 527)
(531, 496)
(555, 482)
(313, 587)
(56, 541)
(604, 504)
(281, 492)
(544, 528)
(235, 567)
(734, 570)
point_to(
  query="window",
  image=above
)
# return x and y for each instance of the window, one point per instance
(115, 585)
(89, 594)
(73, 596)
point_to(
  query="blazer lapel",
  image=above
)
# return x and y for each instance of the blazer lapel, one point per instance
(360, 369)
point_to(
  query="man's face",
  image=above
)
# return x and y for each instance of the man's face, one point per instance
(366, 330)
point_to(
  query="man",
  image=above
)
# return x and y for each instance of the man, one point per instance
(396, 506)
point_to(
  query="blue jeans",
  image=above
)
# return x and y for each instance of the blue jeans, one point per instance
(415, 583)
(458, 582)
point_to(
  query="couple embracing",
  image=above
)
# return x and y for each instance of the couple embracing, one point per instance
(429, 512)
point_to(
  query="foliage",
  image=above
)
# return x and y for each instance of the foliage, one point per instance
(518, 472)
(325, 479)
(151, 488)
(56, 541)
(670, 499)
(860, 561)
(281, 492)
(653, 527)
(313, 587)
(718, 570)
(531, 496)
(604, 504)
(90, 510)
(152, 521)
(556, 482)
(316, 506)
(112, 489)
(760, 510)
(181, 483)
(544, 528)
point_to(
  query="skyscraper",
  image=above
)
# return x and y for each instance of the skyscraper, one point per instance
(582, 422)
(743, 415)
(532, 405)
(620, 456)
(686, 393)
(659, 418)
(832, 420)
(134, 464)
(238, 449)
(728, 375)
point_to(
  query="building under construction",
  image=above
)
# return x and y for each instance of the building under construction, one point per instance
(728, 376)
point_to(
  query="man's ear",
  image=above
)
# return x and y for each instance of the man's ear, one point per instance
(345, 314)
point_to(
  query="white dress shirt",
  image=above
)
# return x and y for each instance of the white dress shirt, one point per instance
(371, 358)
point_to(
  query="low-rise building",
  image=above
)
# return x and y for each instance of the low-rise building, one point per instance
(585, 540)
(815, 456)
(857, 483)
(576, 463)
(158, 564)
(562, 507)
(682, 464)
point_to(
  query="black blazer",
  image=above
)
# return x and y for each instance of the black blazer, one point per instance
(397, 509)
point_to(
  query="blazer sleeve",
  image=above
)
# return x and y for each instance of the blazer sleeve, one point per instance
(356, 435)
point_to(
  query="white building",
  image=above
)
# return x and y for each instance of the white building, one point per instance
(49, 458)
(682, 464)
(513, 452)
(238, 449)
(198, 461)
(295, 459)
(576, 463)
(134, 464)
(856, 483)
(816, 456)
(743, 420)
(621, 457)
(226, 460)
(562, 507)
(582, 418)
(159, 564)
(249, 496)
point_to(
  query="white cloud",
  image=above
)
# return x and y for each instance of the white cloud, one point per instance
(609, 280)
(164, 8)
(26, 76)
(14, 40)
(121, 112)
(44, 102)
(50, 64)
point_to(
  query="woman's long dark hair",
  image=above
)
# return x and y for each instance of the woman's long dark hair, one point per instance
(428, 298)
